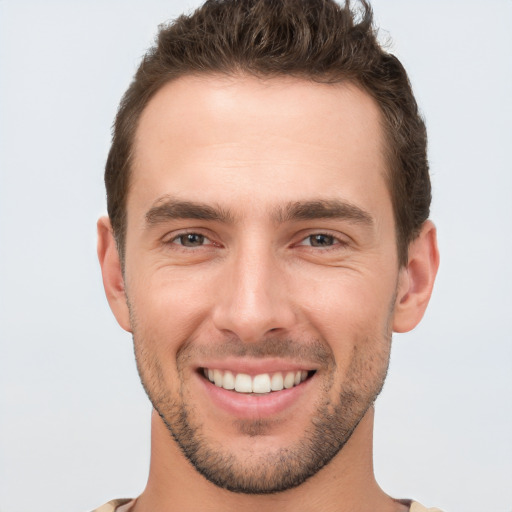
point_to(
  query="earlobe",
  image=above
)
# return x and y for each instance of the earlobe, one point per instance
(111, 271)
(416, 280)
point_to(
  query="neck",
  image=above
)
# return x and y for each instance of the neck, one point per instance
(347, 483)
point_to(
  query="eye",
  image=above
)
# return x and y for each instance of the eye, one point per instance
(190, 240)
(320, 240)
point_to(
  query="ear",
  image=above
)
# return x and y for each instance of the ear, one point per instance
(416, 280)
(113, 280)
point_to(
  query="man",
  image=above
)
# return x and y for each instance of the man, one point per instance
(268, 199)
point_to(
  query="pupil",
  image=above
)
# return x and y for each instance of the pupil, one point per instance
(192, 239)
(321, 240)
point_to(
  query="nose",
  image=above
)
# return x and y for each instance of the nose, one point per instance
(253, 296)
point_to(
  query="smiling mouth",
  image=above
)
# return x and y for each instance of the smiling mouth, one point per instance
(258, 384)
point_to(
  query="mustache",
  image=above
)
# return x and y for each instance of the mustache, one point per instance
(312, 350)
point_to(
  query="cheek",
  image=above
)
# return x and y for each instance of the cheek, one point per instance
(347, 297)
(348, 308)
(168, 308)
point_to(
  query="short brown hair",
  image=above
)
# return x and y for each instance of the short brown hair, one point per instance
(316, 40)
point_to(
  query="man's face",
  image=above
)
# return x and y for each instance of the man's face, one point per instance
(260, 253)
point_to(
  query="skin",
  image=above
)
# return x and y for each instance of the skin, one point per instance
(260, 283)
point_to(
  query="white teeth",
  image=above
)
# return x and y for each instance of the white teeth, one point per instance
(276, 384)
(289, 380)
(229, 381)
(243, 383)
(262, 383)
(217, 378)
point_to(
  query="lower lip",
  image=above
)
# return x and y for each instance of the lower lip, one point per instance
(248, 405)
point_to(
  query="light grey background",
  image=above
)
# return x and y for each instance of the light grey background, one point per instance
(74, 420)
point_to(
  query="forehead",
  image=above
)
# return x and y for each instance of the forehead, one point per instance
(280, 138)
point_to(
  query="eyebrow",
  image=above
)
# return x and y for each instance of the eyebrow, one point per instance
(323, 209)
(169, 208)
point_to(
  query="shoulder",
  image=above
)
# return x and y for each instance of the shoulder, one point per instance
(416, 507)
(114, 505)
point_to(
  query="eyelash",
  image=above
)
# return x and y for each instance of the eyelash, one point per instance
(336, 242)
(174, 239)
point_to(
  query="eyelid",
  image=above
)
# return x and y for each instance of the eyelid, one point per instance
(170, 238)
(339, 240)
(205, 239)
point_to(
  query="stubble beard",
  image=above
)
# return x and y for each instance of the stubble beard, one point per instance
(275, 471)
